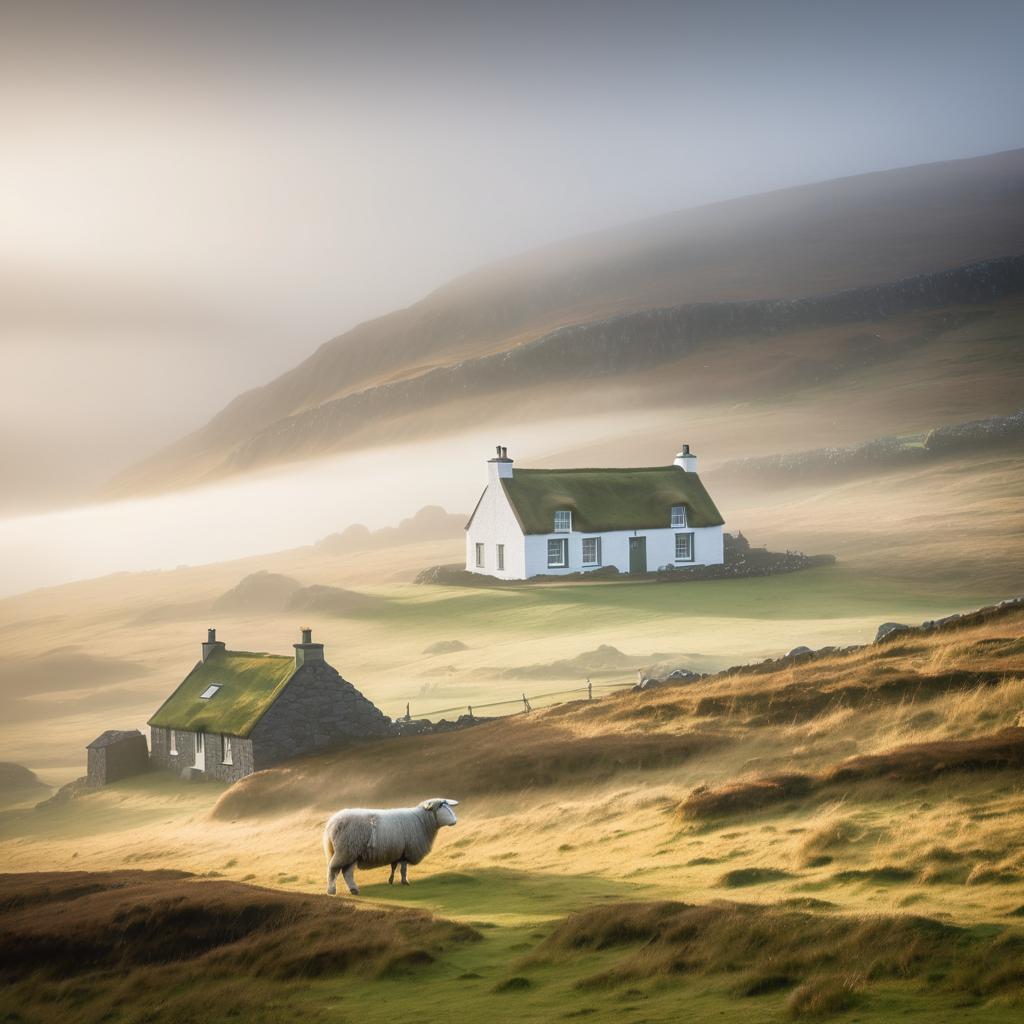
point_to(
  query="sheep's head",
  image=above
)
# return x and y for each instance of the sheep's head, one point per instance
(441, 808)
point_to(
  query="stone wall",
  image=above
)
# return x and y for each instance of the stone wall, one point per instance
(184, 761)
(317, 709)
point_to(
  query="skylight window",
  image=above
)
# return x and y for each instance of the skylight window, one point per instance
(209, 691)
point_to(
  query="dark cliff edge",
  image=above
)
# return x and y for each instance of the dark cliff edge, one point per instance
(623, 344)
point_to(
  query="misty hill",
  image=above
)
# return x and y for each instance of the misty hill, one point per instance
(18, 784)
(430, 523)
(852, 233)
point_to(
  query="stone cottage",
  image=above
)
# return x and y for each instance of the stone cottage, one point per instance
(238, 712)
(114, 755)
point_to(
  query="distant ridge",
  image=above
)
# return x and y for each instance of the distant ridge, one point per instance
(624, 343)
(824, 238)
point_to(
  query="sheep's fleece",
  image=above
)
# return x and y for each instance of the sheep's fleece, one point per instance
(372, 838)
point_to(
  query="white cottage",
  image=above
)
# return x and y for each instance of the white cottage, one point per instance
(549, 522)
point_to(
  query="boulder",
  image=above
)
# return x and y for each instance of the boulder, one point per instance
(798, 651)
(888, 628)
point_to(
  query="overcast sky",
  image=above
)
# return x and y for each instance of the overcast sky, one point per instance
(194, 196)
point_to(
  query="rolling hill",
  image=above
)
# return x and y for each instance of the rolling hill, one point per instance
(828, 835)
(622, 301)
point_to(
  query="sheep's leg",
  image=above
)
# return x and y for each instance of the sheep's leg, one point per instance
(391, 877)
(333, 867)
(348, 873)
(405, 872)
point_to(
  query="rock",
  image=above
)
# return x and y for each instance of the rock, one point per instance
(445, 647)
(66, 793)
(888, 628)
(798, 651)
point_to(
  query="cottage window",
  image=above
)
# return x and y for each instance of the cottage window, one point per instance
(684, 547)
(563, 522)
(591, 550)
(501, 556)
(558, 554)
(226, 750)
(678, 517)
(479, 556)
(209, 691)
(173, 749)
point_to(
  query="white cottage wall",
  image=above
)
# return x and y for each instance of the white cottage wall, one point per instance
(661, 550)
(495, 523)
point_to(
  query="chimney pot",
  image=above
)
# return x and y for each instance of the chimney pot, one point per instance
(685, 459)
(211, 636)
(497, 449)
(307, 650)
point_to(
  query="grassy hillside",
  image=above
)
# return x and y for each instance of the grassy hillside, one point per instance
(106, 653)
(861, 231)
(615, 858)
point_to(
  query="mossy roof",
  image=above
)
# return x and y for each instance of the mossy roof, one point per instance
(249, 683)
(608, 499)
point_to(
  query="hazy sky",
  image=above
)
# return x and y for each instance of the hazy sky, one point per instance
(193, 196)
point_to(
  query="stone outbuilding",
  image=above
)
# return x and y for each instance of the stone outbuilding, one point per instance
(116, 754)
(239, 712)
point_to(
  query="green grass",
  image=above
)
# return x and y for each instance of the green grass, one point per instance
(830, 592)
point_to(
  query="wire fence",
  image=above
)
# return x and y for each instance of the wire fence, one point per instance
(516, 705)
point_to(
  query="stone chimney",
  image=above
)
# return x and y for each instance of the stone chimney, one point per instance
(500, 467)
(685, 459)
(307, 651)
(212, 643)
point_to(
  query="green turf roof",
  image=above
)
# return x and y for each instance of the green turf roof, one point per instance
(249, 684)
(608, 499)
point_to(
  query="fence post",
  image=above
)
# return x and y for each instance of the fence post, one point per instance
(590, 690)
(469, 708)
(526, 703)
(408, 717)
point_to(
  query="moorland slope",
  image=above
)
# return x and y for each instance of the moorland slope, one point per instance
(834, 835)
(860, 232)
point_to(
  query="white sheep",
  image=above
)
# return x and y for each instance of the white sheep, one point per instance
(365, 838)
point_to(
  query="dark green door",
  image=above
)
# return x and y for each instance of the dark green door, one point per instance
(638, 554)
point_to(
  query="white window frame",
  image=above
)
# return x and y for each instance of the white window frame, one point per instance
(479, 556)
(568, 521)
(563, 548)
(596, 541)
(677, 519)
(210, 692)
(501, 557)
(225, 750)
(172, 748)
(680, 558)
